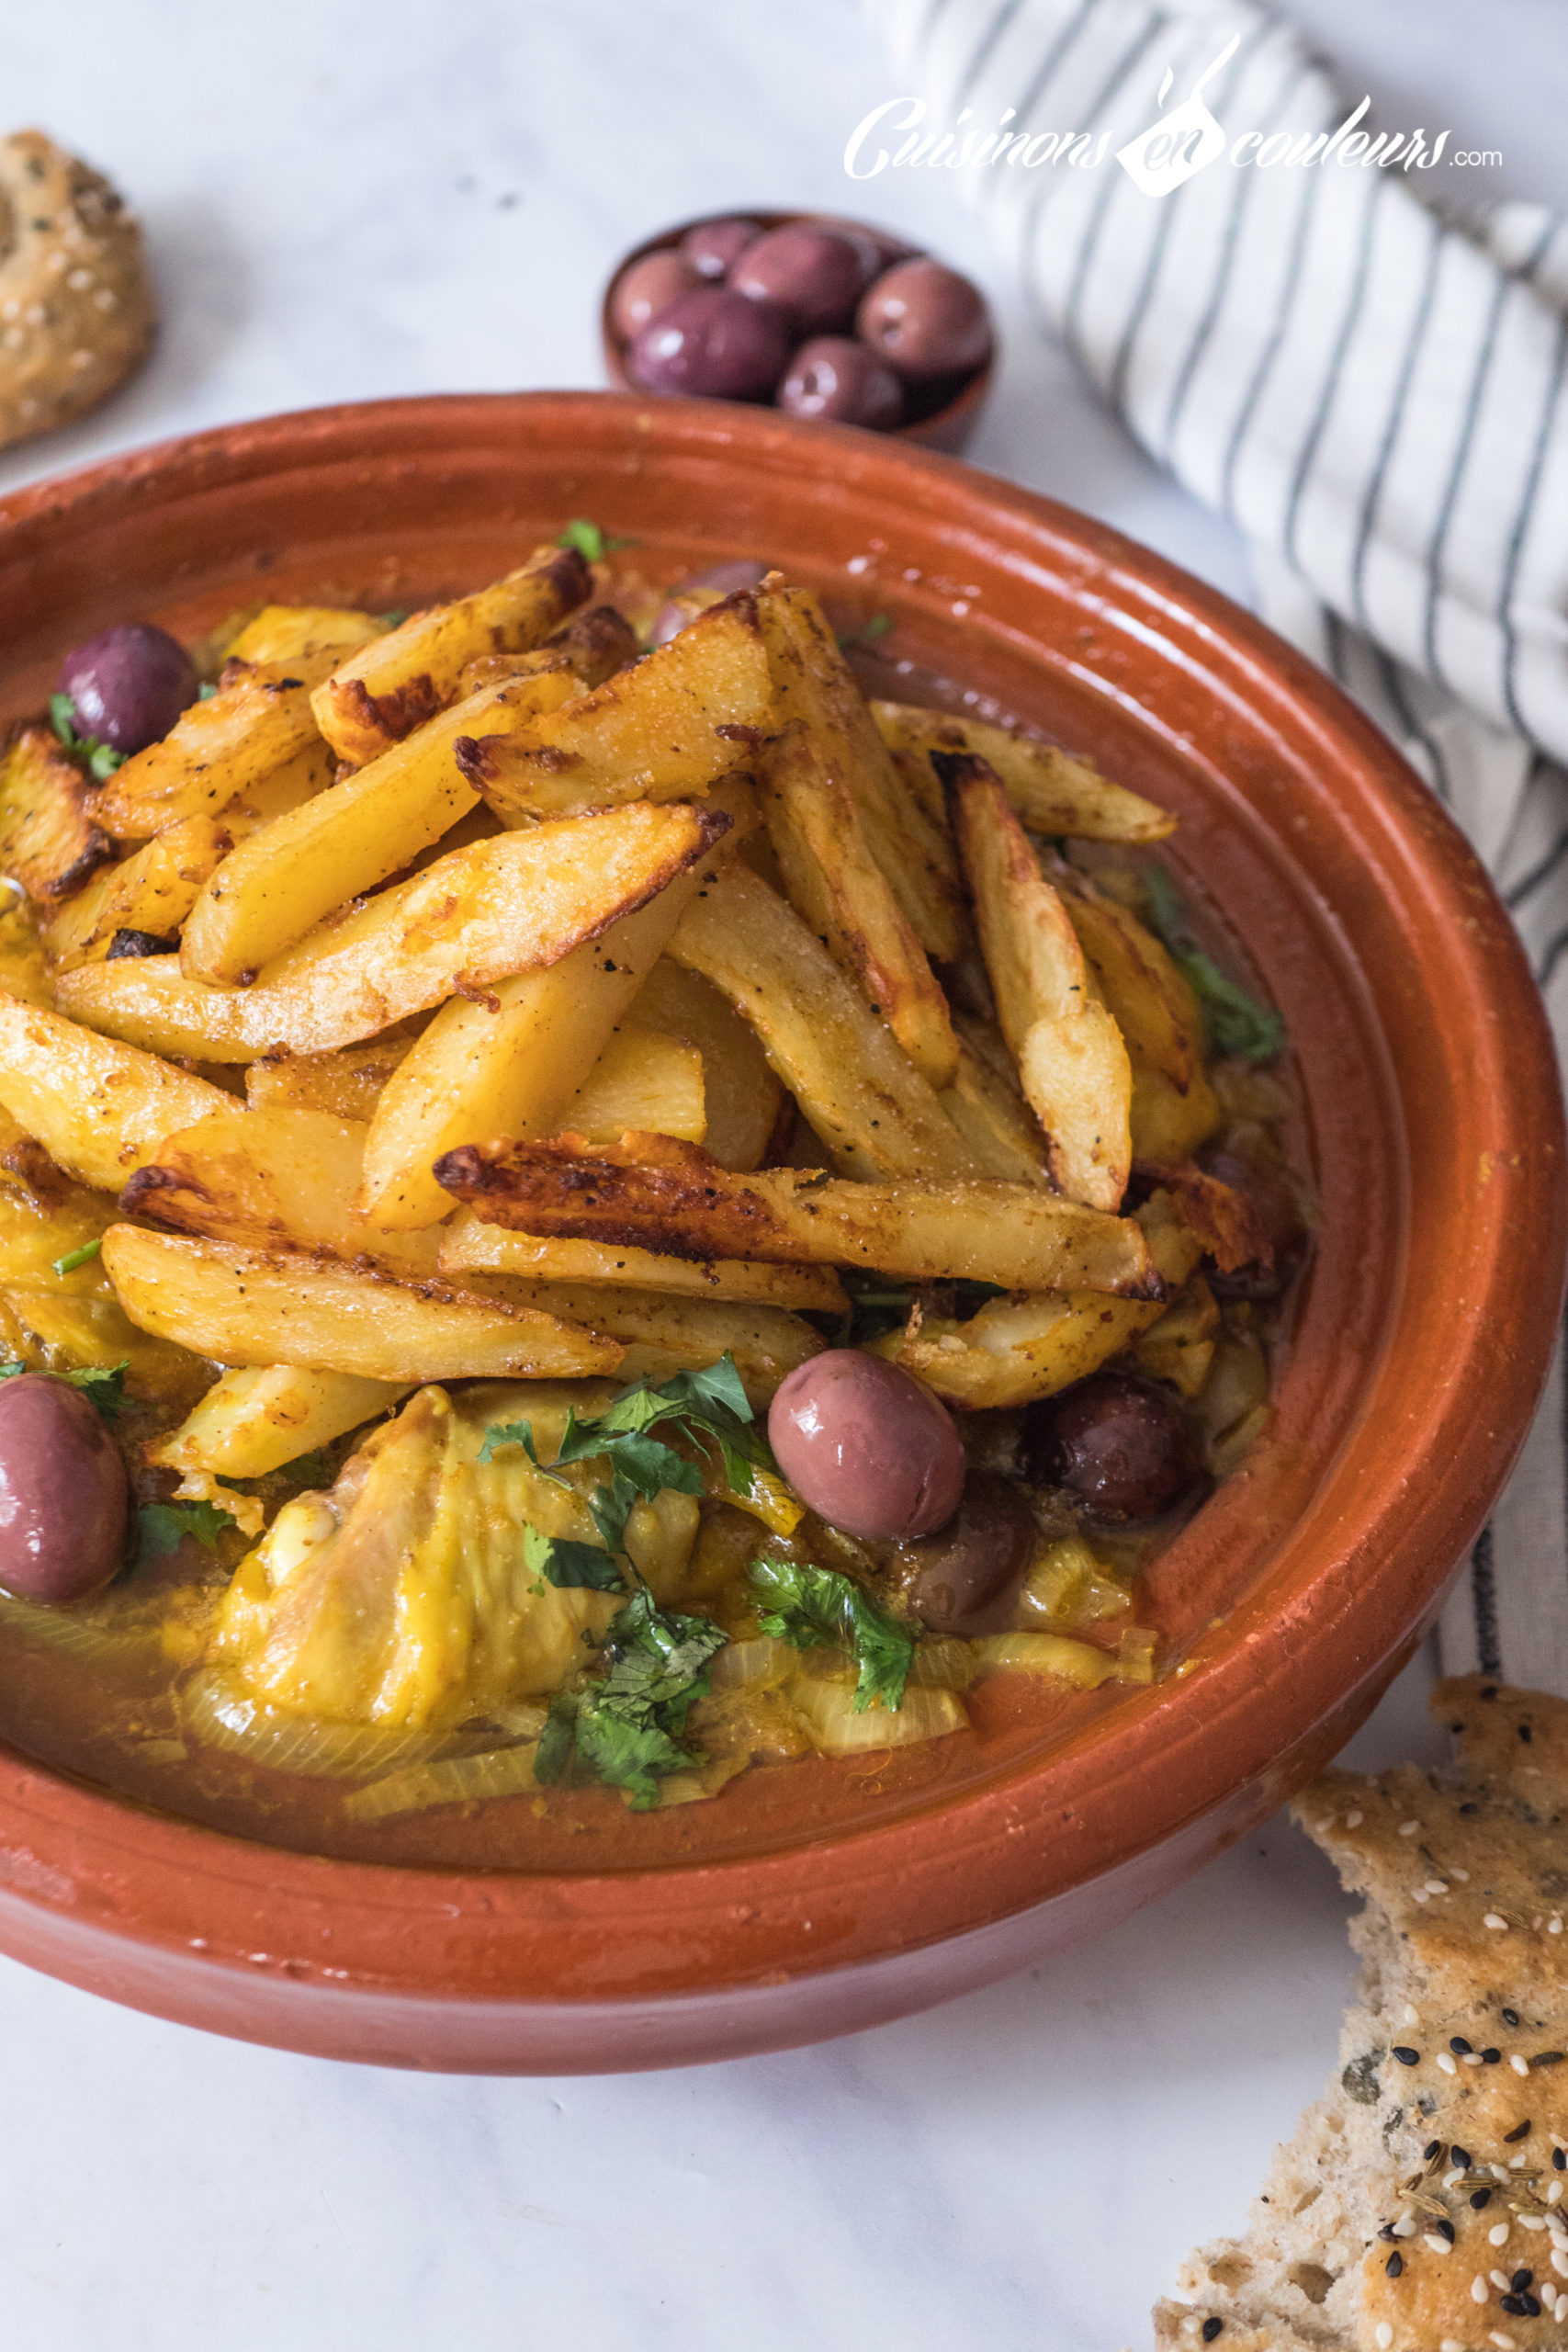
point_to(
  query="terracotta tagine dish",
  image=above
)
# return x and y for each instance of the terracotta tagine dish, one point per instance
(843, 1890)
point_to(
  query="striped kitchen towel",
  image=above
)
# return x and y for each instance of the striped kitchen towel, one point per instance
(1257, 276)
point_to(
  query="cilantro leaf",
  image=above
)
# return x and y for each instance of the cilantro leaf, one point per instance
(397, 617)
(819, 1608)
(74, 1258)
(163, 1527)
(593, 544)
(206, 691)
(102, 758)
(103, 1385)
(313, 1469)
(1234, 1022)
(627, 1730)
(573, 1566)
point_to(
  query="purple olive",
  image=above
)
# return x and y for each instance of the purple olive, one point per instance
(713, 343)
(925, 319)
(814, 274)
(866, 1446)
(649, 286)
(875, 249)
(842, 382)
(63, 1492)
(705, 588)
(1122, 1449)
(129, 685)
(966, 1578)
(714, 247)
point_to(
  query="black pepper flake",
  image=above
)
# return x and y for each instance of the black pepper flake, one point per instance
(1459, 2046)
(1460, 2156)
(1490, 2057)
(1406, 2057)
(1394, 2265)
(1480, 2201)
(1211, 2329)
(1433, 2148)
(1520, 2280)
(1510, 2017)
(1519, 2132)
(1548, 2058)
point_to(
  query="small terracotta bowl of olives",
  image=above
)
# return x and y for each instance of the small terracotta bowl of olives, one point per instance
(825, 318)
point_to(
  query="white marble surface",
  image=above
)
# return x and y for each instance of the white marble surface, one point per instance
(347, 201)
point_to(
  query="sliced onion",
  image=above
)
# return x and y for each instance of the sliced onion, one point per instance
(763, 1660)
(945, 1663)
(1077, 1662)
(455, 1780)
(79, 1637)
(215, 1711)
(828, 1712)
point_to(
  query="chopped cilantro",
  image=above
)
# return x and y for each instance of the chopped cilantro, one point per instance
(818, 1608)
(875, 626)
(397, 617)
(163, 1527)
(314, 1469)
(593, 544)
(102, 758)
(629, 1730)
(102, 1383)
(74, 1258)
(574, 1566)
(1234, 1022)
(206, 691)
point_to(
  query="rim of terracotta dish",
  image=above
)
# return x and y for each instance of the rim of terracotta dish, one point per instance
(1417, 1477)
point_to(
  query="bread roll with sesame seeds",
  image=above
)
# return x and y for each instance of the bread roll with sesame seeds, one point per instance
(1419, 2206)
(77, 313)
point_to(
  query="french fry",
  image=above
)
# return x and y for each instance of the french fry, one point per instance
(1071, 1057)
(284, 632)
(1166, 1124)
(674, 1198)
(594, 645)
(511, 1065)
(1150, 1000)
(641, 1079)
(866, 1101)
(742, 1096)
(154, 889)
(257, 1418)
(984, 1104)
(470, 1247)
(290, 875)
(348, 1083)
(516, 903)
(269, 1179)
(243, 1307)
(99, 1108)
(907, 833)
(387, 689)
(1051, 790)
(215, 749)
(835, 883)
(1016, 1349)
(50, 840)
(665, 729)
(665, 1334)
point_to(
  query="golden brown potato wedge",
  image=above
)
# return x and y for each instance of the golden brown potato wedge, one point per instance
(1222, 1217)
(594, 645)
(154, 889)
(245, 1306)
(341, 843)
(99, 1108)
(1151, 1002)
(907, 833)
(742, 1097)
(50, 840)
(283, 632)
(642, 1080)
(674, 1198)
(1015, 1350)
(984, 1104)
(518, 902)
(269, 1179)
(1166, 1123)
(215, 749)
(467, 1246)
(257, 1418)
(1071, 1056)
(865, 1100)
(1180, 1347)
(834, 883)
(1051, 790)
(348, 1083)
(662, 730)
(665, 1334)
(387, 689)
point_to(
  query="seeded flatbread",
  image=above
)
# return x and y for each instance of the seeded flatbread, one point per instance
(77, 312)
(1420, 2206)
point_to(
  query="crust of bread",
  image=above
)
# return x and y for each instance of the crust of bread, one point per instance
(1372, 2235)
(77, 309)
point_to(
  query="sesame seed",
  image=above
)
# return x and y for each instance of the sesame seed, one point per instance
(1459, 2046)
(1450, 2179)
(1554, 2194)
(1412, 2014)
(1559, 2262)
(1531, 2220)
(1493, 1919)
(1384, 2334)
(1446, 2062)
(1510, 2017)
(1498, 2233)
(1475, 2059)
(1503, 2343)
(1445, 2229)
(1519, 2132)
(1437, 1886)
(1478, 2289)
(1480, 2201)
(1490, 2057)
(1516, 2306)
(1500, 2279)
(1520, 2280)
(1404, 2228)
(1437, 2245)
(1459, 2156)
(1462, 1876)
(1394, 2265)
(1354, 1820)
(1433, 2148)
(1450, 2344)
(1408, 1829)
(1520, 2066)
(1554, 1925)
(1211, 2329)
(1405, 2055)
(1419, 1895)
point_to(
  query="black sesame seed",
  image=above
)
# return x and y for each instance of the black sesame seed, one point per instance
(1532, 2309)
(1490, 1692)
(1406, 2057)
(1548, 2058)
(1433, 2148)
(1521, 2279)
(1469, 1807)
(1459, 2046)
(1490, 2057)
(1510, 2017)
(1480, 2201)
(1526, 1734)
(1445, 2229)
(1394, 2265)
(1514, 2306)
(1211, 2329)
(1560, 2159)
(1386, 2231)
(1519, 2132)
(1460, 2156)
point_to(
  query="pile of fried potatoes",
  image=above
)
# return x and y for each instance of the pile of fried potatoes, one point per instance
(524, 1004)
